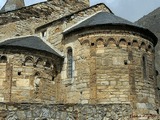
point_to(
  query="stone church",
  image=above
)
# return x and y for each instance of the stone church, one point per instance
(66, 60)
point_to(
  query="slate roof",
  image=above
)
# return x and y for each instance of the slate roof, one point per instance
(64, 18)
(105, 18)
(31, 42)
(101, 18)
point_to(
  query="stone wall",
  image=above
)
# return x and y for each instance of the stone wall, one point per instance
(151, 22)
(98, 57)
(28, 76)
(65, 112)
(12, 5)
(23, 21)
(54, 30)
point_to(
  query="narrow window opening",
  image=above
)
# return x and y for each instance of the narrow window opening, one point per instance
(125, 62)
(44, 34)
(144, 68)
(129, 43)
(158, 111)
(19, 73)
(92, 44)
(69, 63)
(157, 73)
(52, 78)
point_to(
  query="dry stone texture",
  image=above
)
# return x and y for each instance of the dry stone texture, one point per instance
(105, 73)
(28, 77)
(69, 112)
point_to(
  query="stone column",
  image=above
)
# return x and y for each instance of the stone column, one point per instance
(133, 95)
(8, 83)
(93, 85)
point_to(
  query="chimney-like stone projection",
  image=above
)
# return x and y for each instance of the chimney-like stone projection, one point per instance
(12, 5)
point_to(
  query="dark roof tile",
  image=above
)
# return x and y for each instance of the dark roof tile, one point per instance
(105, 18)
(31, 42)
(101, 18)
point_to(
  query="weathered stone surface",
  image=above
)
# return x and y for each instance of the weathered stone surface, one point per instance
(151, 21)
(17, 23)
(12, 5)
(118, 72)
(71, 112)
(28, 78)
(107, 74)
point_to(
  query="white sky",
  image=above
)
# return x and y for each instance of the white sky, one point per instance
(128, 9)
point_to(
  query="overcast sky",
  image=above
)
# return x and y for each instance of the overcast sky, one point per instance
(129, 9)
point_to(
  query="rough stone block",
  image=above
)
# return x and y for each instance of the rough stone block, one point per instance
(23, 83)
(100, 51)
(105, 83)
(141, 105)
(84, 101)
(113, 82)
(1, 82)
(2, 99)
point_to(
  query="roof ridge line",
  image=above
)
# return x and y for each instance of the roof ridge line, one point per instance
(1, 12)
(20, 38)
(81, 21)
(64, 17)
(14, 37)
(50, 45)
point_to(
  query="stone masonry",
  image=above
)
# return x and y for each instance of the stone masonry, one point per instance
(97, 70)
(22, 79)
(66, 112)
(94, 56)
(12, 5)
(17, 23)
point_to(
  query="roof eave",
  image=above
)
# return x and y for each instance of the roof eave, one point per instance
(27, 48)
(45, 26)
(142, 30)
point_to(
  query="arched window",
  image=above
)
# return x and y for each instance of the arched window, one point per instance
(122, 43)
(39, 62)
(69, 63)
(144, 67)
(28, 61)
